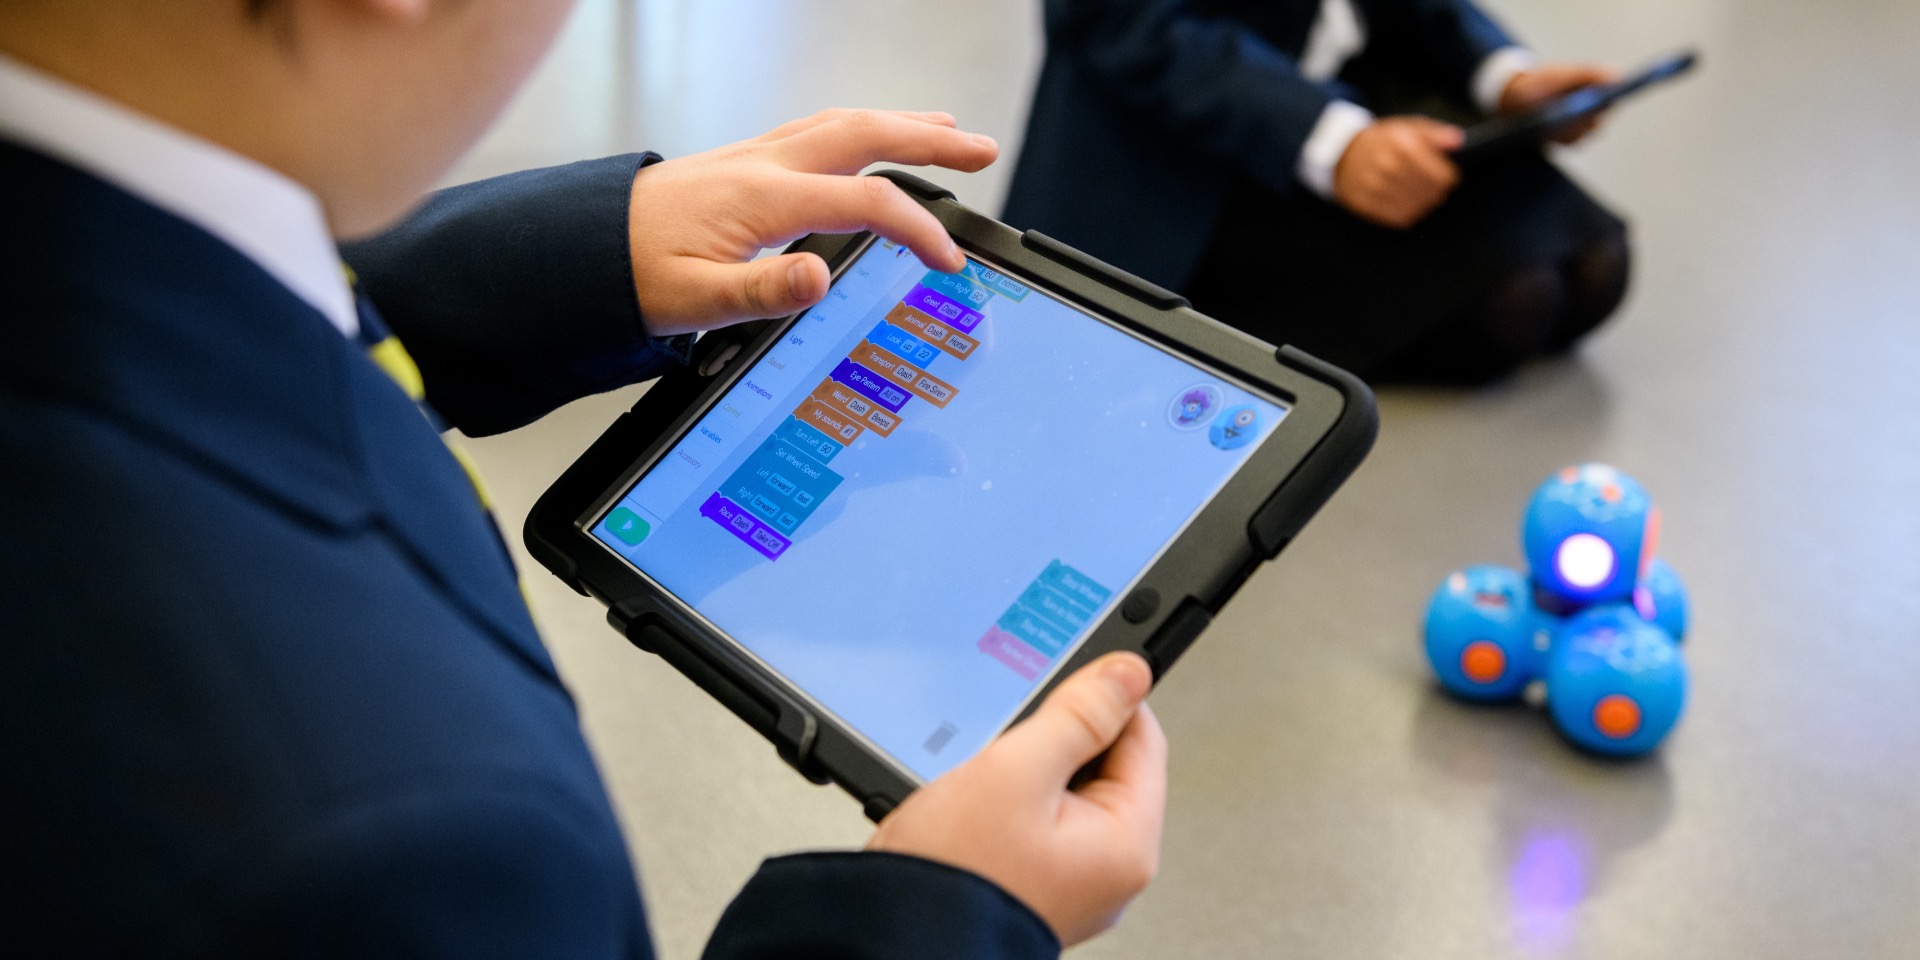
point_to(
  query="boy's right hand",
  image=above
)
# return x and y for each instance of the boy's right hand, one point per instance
(1075, 856)
(1398, 170)
(696, 223)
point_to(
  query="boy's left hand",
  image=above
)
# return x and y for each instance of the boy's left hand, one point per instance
(696, 223)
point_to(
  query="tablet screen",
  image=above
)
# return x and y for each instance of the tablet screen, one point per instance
(923, 499)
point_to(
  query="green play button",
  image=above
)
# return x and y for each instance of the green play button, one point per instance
(627, 525)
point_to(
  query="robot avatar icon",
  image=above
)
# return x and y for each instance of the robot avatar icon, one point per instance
(1235, 427)
(1190, 409)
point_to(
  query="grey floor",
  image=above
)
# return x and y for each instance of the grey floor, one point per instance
(1326, 801)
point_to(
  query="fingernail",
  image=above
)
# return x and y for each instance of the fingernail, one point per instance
(1124, 672)
(797, 280)
(985, 141)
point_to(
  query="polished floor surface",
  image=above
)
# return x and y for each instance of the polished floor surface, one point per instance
(1763, 380)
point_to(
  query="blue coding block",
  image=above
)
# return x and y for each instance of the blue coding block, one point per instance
(1034, 630)
(822, 447)
(1055, 607)
(957, 286)
(908, 347)
(994, 280)
(1074, 584)
(780, 481)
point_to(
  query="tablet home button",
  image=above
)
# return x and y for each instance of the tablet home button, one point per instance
(1140, 605)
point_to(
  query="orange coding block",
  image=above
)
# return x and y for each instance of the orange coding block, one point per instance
(834, 423)
(957, 345)
(915, 380)
(864, 412)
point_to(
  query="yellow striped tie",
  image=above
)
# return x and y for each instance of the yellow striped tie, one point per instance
(389, 355)
(386, 352)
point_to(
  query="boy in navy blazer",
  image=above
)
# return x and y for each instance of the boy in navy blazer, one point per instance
(271, 688)
(1278, 162)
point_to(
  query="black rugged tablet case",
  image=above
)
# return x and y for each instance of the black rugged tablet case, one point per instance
(1323, 438)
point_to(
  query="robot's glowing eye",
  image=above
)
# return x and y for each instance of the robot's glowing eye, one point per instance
(1584, 561)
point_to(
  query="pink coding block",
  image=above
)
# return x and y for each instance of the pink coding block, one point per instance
(1008, 649)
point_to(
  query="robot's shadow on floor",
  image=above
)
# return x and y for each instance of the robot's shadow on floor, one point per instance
(1562, 819)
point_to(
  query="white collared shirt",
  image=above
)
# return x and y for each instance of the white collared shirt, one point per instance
(271, 219)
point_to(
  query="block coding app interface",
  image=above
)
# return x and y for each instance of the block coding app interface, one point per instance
(920, 501)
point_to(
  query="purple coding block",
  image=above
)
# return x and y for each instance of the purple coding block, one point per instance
(871, 385)
(950, 312)
(737, 521)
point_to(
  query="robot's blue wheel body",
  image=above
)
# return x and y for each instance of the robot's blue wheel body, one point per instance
(1481, 633)
(1616, 684)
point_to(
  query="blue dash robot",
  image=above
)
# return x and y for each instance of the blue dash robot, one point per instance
(1600, 618)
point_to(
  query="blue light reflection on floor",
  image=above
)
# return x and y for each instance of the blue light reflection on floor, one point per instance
(1546, 884)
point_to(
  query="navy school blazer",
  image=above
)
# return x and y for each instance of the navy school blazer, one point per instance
(1149, 113)
(270, 689)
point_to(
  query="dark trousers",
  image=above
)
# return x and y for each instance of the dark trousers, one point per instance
(1518, 262)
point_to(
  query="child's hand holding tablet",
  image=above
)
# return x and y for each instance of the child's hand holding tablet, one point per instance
(1074, 856)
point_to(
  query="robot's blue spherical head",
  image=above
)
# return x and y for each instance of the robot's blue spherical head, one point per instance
(1661, 598)
(1484, 637)
(1589, 533)
(1616, 684)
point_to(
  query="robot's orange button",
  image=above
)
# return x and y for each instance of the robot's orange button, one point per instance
(1483, 661)
(1616, 716)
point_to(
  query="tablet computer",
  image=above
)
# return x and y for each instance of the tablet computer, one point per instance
(1504, 135)
(880, 530)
